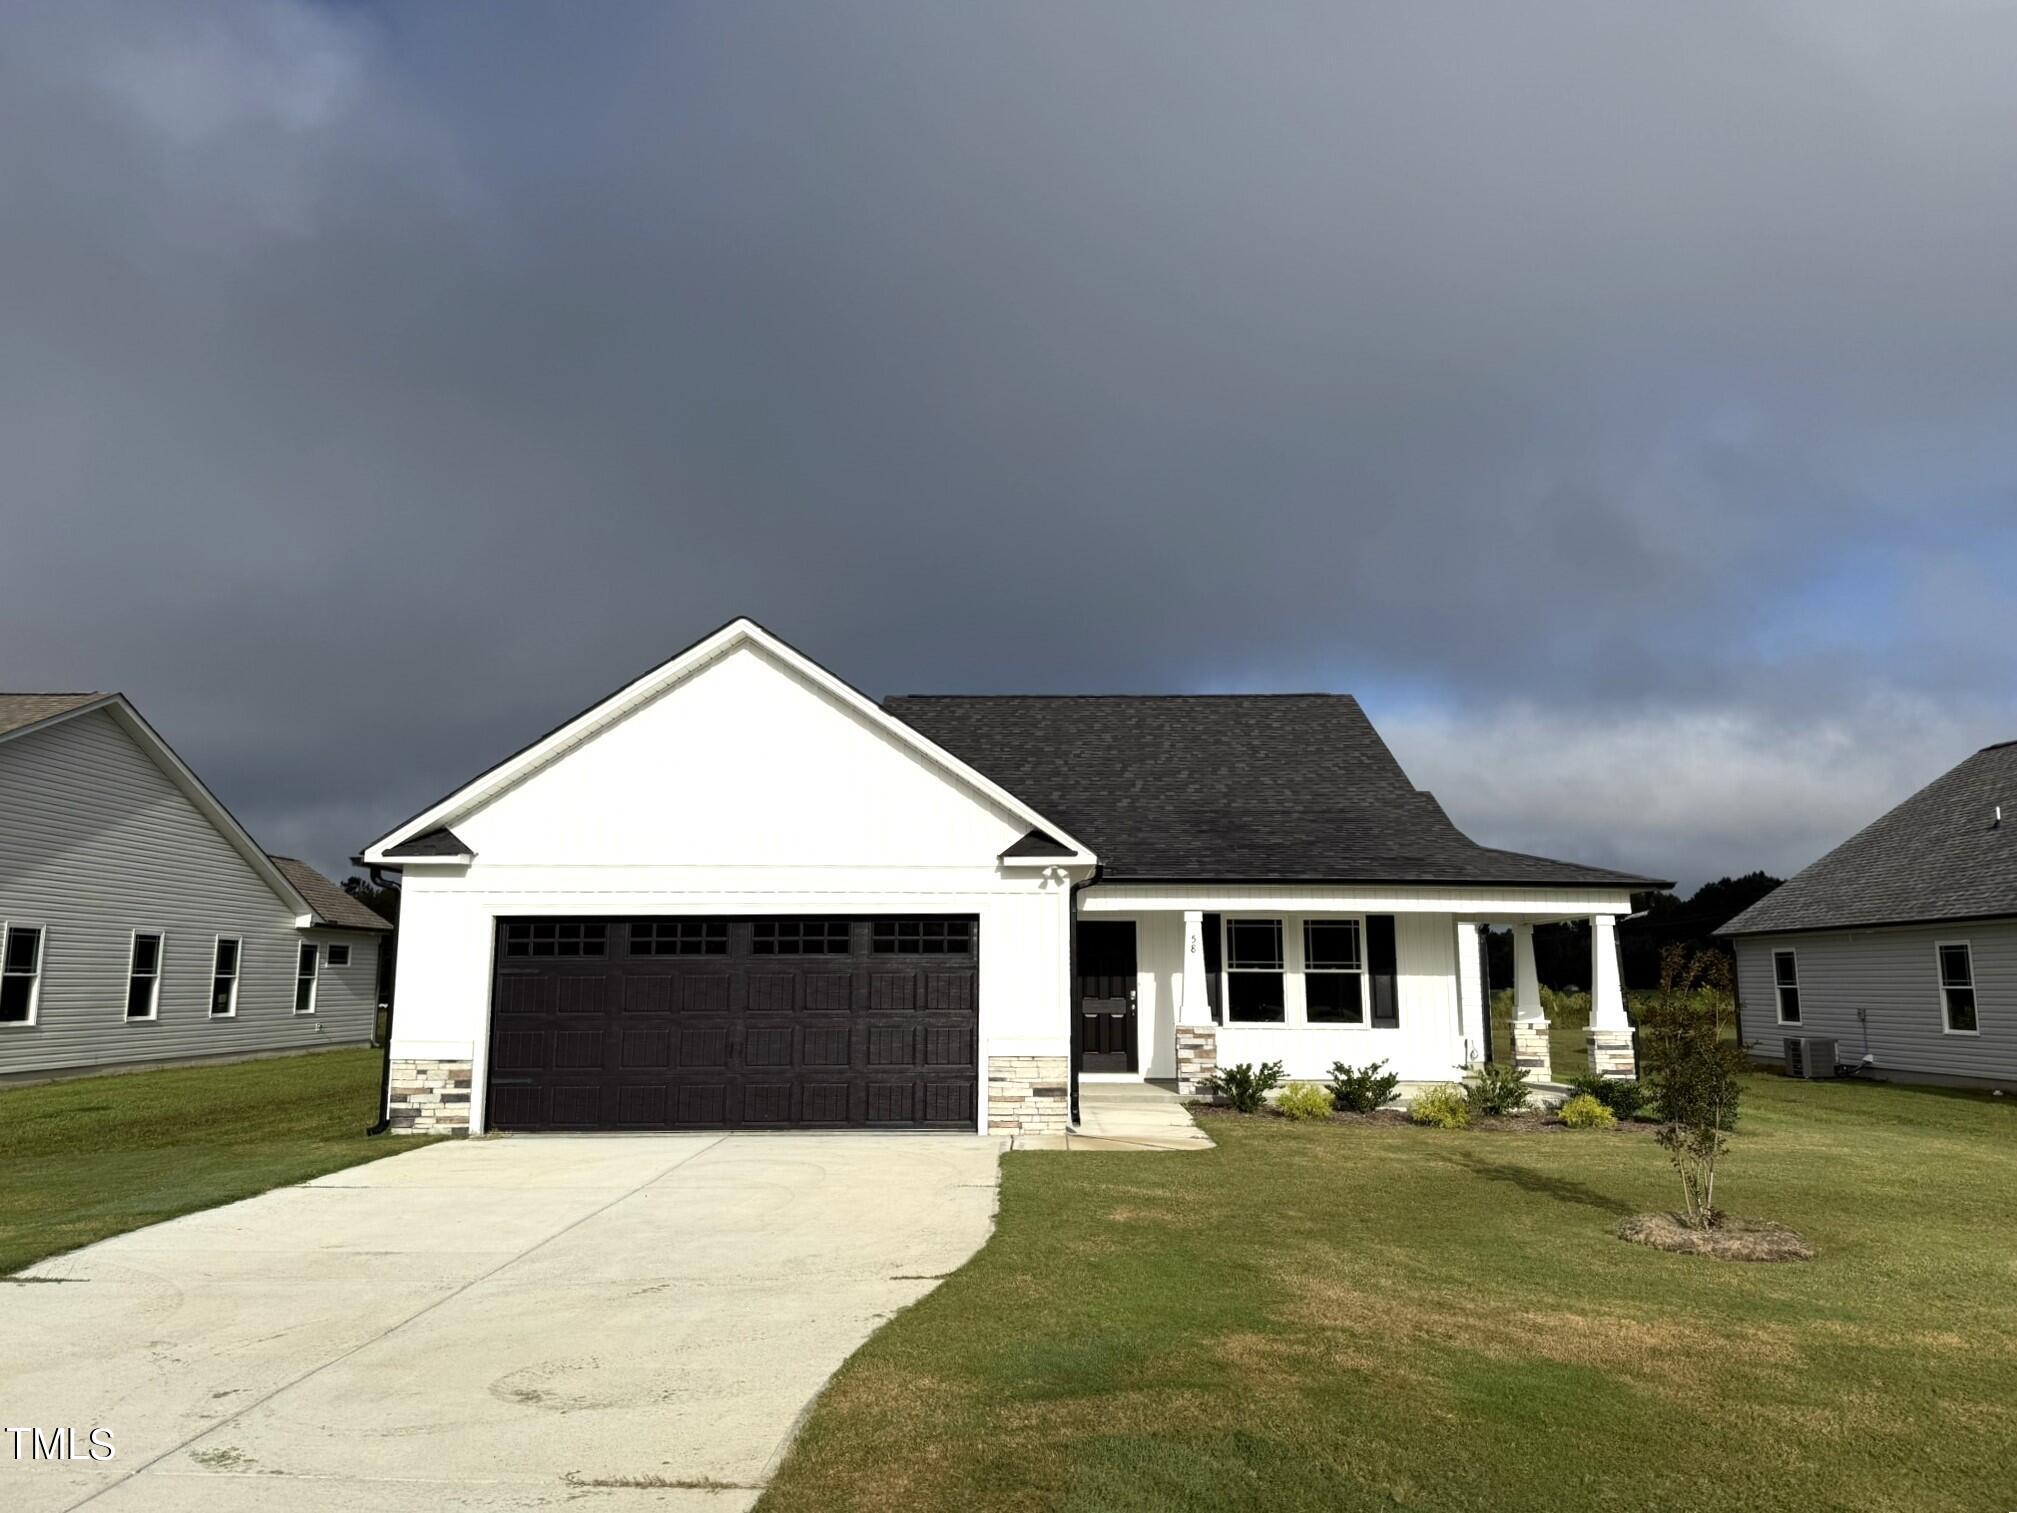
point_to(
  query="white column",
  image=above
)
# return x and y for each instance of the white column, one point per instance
(1193, 1006)
(1471, 995)
(1607, 997)
(1526, 981)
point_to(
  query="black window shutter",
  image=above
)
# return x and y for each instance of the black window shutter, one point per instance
(1380, 971)
(1211, 929)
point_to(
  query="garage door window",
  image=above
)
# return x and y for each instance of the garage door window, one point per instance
(679, 937)
(923, 937)
(798, 937)
(556, 937)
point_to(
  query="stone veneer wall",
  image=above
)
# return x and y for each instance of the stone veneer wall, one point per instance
(1197, 1057)
(1611, 1053)
(1530, 1049)
(429, 1097)
(1028, 1095)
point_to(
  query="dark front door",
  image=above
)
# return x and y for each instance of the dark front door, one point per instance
(1106, 987)
(692, 1023)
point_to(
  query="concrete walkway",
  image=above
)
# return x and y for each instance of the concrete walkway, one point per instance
(605, 1322)
(1126, 1116)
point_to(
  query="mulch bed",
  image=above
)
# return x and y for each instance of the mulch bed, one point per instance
(1731, 1239)
(1388, 1118)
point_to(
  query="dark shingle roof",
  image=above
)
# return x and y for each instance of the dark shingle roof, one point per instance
(1938, 855)
(1038, 843)
(331, 904)
(1226, 788)
(18, 710)
(440, 841)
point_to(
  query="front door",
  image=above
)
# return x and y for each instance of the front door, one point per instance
(1106, 989)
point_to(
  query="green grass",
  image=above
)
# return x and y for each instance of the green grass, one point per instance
(96, 1156)
(1339, 1317)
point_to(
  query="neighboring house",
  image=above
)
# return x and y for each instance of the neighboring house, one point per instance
(139, 923)
(737, 892)
(1901, 943)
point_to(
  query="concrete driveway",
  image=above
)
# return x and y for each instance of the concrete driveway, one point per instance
(603, 1322)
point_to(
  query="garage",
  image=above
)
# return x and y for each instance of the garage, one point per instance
(702, 1022)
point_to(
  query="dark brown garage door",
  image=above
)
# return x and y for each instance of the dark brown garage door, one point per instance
(693, 1023)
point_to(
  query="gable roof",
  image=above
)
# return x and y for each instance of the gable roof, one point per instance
(1938, 855)
(1227, 787)
(333, 907)
(592, 720)
(22, 714)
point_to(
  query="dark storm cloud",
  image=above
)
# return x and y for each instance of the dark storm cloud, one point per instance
(1616, 394)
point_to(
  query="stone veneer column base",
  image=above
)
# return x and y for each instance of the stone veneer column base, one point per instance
(1530, 1049)
(1028, 1095)
(429, 1097)
(1611, 1054)
(1197, 1057)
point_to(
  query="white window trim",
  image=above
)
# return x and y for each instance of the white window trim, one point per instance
(133, 960)
(1228, 971)
(1295, 998)
(1941, 984)
(314, 978)
(336, 945)
(1365, 1019)
(1778, 1011)
(237, 972)
(41, 966)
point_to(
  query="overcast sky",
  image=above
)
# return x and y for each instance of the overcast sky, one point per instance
(1618, 397)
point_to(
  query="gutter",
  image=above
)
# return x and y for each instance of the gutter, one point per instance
(377, 876)
(1078, 1021)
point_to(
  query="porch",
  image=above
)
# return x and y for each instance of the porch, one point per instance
(1172, 982)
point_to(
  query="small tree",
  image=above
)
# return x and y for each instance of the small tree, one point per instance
(1689, 1048)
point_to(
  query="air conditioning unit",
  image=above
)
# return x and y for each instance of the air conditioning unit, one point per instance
(1810, 1056)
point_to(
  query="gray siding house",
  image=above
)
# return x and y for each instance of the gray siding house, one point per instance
(1901, 943)
(139, 923)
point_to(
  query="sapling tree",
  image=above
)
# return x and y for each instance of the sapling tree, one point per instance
(1689, 1049)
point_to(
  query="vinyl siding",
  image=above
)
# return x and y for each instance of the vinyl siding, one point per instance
(98, 842)
(1878, 990)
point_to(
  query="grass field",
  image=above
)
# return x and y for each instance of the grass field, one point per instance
(1364, 1317)
(97, 1156)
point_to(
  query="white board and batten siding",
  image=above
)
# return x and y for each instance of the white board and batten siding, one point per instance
(98, 843)
(1879, 990)
(703, 801)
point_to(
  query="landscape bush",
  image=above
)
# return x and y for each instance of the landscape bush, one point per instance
(1444, 1106)
(1584, 1112)
(1495, 1088)
(1246, 1086)
(1362, 1089)
(1304, 1100)
(1623, 1097)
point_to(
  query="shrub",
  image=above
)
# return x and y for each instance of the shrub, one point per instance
(1246, 1086)
(1444, 1106)
(1584, 1112)
(1696, 1067)
(1305, 1100)
(1496, 1088)
(1362, 1089)
(1624, 1098)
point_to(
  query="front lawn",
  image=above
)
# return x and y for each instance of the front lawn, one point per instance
(1356, 1316)
(97, 1156)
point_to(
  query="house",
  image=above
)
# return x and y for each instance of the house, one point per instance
(1901, 943)
(737, 892)
(139, 923)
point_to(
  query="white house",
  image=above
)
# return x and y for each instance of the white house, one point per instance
(737, 892)
(139, 923)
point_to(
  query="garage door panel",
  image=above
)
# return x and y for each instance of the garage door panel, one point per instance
(717, 1023)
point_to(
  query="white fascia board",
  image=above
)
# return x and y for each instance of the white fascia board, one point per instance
(723, 641)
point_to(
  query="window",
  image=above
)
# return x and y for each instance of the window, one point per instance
(799, 937)
(304, 977)
(556, 937)
(1957, 987)
(339, 954)
(143, 976)
(1334, 973)
(224, 978)
(679, 937)
(20, 974)
(1254, 972)
(923, 937)
(1786, 981)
